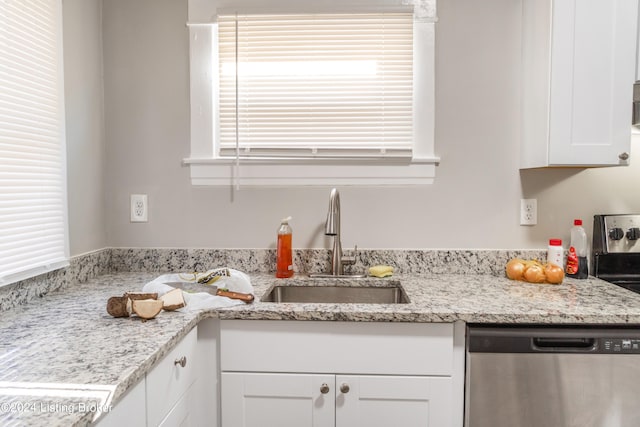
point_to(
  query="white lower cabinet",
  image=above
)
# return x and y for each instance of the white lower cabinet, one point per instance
(180, 391)
(129, 411)
(182, 414)
(343, 374)
(304, 373)
(170, 380)
(284, 400)
(299, 400)
(186, 396)
(382, 401)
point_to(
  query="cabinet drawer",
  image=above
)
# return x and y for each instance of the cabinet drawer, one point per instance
(168, 381)
(336, 347)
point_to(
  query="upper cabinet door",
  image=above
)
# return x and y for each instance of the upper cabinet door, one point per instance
(579, 69)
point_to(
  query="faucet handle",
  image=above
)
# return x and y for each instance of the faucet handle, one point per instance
(351, 260)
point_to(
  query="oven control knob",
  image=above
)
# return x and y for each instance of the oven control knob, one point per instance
(633, 233)
(616, 233)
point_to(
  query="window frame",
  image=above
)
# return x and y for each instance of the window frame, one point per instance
(207, 168)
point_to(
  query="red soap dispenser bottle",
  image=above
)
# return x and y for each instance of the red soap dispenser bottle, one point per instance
(284, 257)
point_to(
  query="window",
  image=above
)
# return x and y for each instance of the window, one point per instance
(33, 232)
(312, 97)
(315, 85)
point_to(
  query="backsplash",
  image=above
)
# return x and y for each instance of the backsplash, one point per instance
(317, 260)
(116, 260)
(80, 269)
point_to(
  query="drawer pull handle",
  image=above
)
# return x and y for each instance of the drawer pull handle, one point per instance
(344, 388)
(182, 361)
(324, 388)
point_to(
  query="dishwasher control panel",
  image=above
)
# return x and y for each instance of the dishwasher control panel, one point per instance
(619, 345)
(560, 340)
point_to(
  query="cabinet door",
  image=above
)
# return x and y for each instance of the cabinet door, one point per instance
(181, 415)
(592, 74)
(379, 401)
(277, 400)
(169, 380)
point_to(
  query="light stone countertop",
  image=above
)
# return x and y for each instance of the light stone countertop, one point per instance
(467, 297)
(67, 340)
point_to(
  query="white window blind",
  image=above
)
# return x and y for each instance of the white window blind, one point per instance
(315, 85)
(33, 232)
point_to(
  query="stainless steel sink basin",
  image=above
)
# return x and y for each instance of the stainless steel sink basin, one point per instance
(338, 294)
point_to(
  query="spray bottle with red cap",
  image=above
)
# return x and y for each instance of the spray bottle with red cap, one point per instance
(284, 256)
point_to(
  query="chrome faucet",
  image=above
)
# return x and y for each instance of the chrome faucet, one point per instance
(332, 228)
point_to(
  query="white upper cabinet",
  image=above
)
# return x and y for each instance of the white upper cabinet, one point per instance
(579, 64)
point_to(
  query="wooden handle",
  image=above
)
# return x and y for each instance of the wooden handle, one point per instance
(248, 298)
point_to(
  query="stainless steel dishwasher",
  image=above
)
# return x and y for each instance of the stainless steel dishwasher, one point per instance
(552, 377)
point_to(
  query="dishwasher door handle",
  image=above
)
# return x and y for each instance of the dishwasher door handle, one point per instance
(563, 344)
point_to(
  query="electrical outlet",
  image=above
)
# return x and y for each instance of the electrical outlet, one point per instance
(528, 211)
(139, 208)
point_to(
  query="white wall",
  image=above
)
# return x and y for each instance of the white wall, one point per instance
(474, 202)
(86, 152)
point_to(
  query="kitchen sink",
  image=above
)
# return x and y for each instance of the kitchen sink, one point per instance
(338, 294)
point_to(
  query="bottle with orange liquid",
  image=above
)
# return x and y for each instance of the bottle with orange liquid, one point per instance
(284, 257)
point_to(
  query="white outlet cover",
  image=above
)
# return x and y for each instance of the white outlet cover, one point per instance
(139, 208)
(528, 211)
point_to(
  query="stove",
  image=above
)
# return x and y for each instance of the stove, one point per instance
(616, 249)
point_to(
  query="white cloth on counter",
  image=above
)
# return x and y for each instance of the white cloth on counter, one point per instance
(237, 281)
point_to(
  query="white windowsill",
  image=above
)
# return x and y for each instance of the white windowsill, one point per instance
(309, 172)
(32, 272)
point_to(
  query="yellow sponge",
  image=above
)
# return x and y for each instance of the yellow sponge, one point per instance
(381, 270)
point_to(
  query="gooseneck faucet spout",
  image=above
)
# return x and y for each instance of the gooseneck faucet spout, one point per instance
(332, 228)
